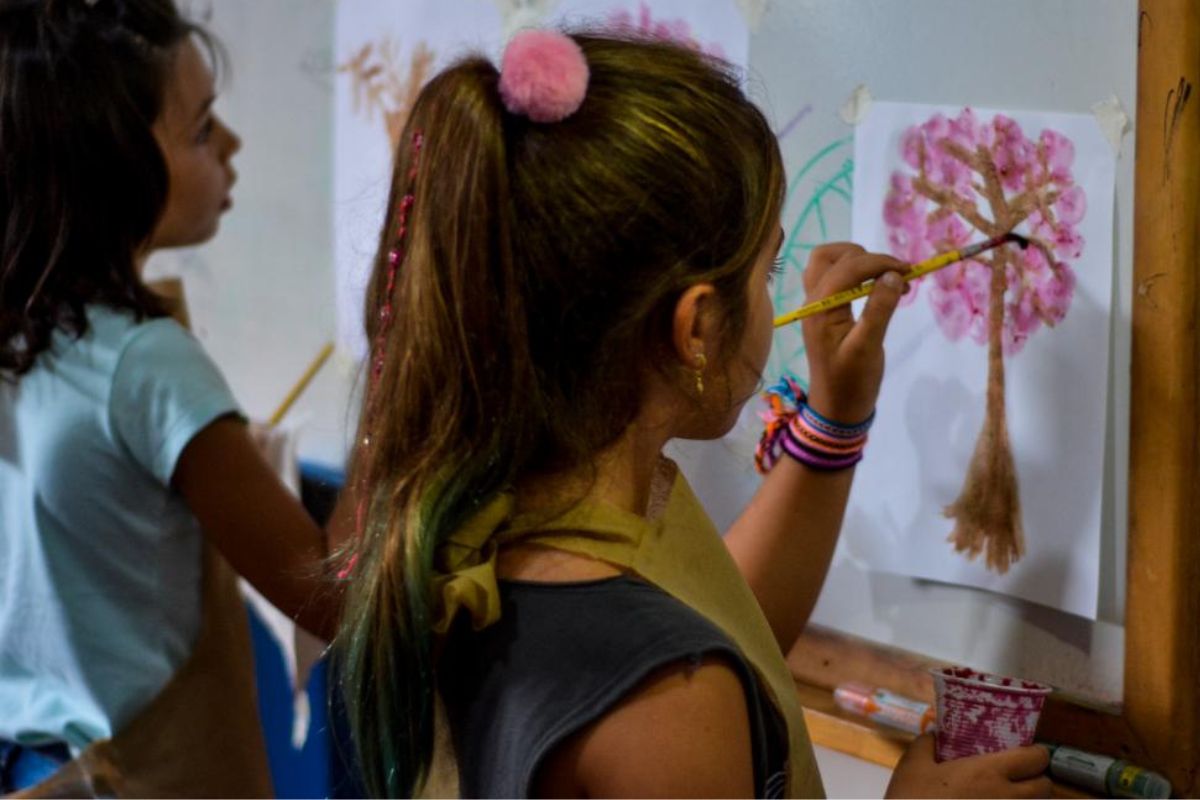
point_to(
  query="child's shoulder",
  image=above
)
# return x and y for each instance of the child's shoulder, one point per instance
(109, 334)
(126, 363)
(111, 342)
(124, 347)
(162, 388)
(119, 329)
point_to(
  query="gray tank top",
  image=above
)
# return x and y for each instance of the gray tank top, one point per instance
(560, 657)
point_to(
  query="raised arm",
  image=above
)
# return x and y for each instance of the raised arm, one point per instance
(784, 540)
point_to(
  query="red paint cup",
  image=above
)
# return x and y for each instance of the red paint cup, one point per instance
(981, 713)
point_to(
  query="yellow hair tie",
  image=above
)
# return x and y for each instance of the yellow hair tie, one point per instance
(465, 568)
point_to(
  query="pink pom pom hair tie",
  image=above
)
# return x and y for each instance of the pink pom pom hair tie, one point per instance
(543, 76)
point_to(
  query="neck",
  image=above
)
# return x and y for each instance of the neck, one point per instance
(621, 475)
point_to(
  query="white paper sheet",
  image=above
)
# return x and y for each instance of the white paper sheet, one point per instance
(932, 405)
(383, 46)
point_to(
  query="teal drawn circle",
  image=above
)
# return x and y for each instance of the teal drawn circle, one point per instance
(824, 181)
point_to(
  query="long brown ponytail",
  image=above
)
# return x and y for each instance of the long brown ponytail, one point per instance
(541, 267)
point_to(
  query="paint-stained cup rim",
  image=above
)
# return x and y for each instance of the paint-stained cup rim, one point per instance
(990, 682)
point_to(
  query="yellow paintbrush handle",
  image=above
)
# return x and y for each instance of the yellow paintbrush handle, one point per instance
(833, 301)
(301, 384)
(850, 295)
(935, 263)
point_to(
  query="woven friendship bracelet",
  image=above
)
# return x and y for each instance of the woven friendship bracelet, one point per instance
(819, 440)
(817, 459)
(792, 427)
(782, 400)
(834, 428)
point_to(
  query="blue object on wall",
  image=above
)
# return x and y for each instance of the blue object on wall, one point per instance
(304, 772)
(323, 766)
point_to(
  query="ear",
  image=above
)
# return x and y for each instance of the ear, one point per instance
(696, 325)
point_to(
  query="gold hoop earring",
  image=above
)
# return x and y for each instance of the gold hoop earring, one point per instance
(701, 363)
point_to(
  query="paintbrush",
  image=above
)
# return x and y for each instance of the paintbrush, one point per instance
(301, 384)
(916, 271)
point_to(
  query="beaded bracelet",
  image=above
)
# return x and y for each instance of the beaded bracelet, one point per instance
(792, 427)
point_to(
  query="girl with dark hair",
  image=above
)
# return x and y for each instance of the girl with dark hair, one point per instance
(125, 466)
(574, 271)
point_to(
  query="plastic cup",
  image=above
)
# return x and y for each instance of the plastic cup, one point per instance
(981, 713)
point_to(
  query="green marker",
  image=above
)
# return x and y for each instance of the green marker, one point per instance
(1104, 775)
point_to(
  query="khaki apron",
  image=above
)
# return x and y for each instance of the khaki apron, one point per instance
(200, 736)
(675, 547)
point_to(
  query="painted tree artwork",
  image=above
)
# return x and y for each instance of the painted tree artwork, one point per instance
(382, 86)
(645, 23)
(969, 178)
(994, 421)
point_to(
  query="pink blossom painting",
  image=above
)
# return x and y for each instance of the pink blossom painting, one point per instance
(967, 178)
(987, 460)
(672, 29)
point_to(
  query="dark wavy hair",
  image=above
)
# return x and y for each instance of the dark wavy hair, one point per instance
(83, 181)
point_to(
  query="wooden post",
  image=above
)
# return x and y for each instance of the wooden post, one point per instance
(1162, 622)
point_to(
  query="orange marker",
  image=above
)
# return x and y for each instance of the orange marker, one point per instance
(885, 708)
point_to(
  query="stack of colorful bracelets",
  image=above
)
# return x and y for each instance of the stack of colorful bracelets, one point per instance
(794, 428)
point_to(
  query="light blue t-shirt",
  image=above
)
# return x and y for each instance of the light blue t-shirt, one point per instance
(100, 561)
